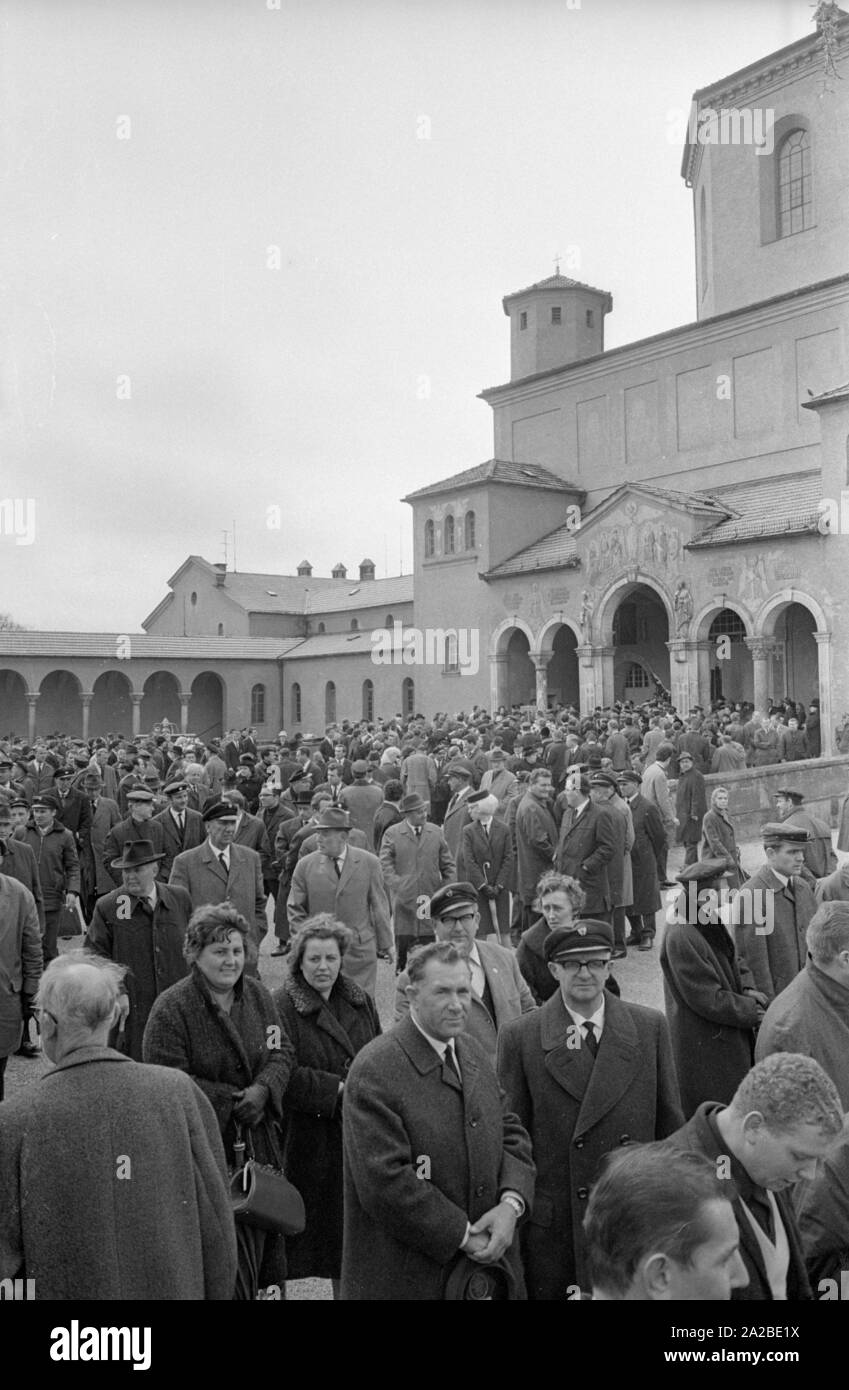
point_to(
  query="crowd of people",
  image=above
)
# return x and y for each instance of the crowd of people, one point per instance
(518, 1129)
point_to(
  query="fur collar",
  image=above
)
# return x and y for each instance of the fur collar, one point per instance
(307, 1000)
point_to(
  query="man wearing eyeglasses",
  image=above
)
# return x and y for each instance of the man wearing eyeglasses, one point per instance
(585, 1073)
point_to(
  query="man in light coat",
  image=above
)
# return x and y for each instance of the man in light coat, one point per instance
(772, 911)
(20, 962)
(219, 871)
(655, 788)
(139, 1206)
(348, 882)
(536, 839)
(415, 861)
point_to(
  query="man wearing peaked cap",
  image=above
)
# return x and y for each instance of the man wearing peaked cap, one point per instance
(415, 861)
(182, 828)
(139, 825)
(589, 839)
(820, 859)
(459, 774)
(585, 1073)
(773, 909)
(141, 925)
(58, 867)
(218, 871)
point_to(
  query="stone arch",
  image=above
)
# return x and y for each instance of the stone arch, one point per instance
(160, 700)
(59, 704)
(700, 626)
(14, 709)
(557, 651)
(206, 705)
(501, 635)
(777, 603)
(605, 609)
(111, 706)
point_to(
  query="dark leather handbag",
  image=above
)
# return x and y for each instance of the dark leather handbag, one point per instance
(262, 1195)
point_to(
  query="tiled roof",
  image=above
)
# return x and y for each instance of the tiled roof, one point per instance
(333, 644)
(766, 507)
(840, 393)
(290, 593)
(553, 282)
(366, 593)
(554, 551)
(498, 471)
(702, 503)
(106, 646)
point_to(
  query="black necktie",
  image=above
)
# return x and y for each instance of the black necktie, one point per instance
(591, 1040)
(338, 867)
(224, 864)
(450, 1062)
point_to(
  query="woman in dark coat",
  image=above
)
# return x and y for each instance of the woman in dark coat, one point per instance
(329, 1019)
(719, 840)
(221, 1027)
(712, 1006)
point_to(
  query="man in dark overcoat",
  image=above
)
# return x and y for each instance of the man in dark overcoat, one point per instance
(486, 860)
(690, 806)
(773, 909)
(587, 844)
(182, 828)
(434, 1163)
(648, 861)
(142, 926)
(585, 1073)
(139, 825)
(712, 1004)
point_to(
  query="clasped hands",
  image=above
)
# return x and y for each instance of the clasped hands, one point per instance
(492, 1235)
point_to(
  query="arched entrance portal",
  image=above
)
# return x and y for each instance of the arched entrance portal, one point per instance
(161, 700)
(562, 673)
(206, 706)
(795, 661)
(60, 708)
(111, 707)
(639, 636)
(519, 677)
(729, 659)
(14, 710)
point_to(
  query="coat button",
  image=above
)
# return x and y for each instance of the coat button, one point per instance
(583, 1193)
(479, 1191)
(579, 1143)
(624, 1139)
(473, 1123)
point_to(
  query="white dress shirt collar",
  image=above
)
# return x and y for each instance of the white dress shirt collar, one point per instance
(597, 1019)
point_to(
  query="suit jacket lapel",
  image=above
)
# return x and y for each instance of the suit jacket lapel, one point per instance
(615, 1066)
(571, 1065)
(213, 863)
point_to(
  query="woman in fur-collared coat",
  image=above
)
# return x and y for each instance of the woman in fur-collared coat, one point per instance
(329, 1019)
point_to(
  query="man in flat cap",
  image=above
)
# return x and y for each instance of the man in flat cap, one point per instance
(772, 910)
(648, 861)
(820, 859)
(499, 993)
(585, 1073)
(486, 860)
(141, 925)
(219, 871)
(139, 825)
(589, 838)
(415, 861)
(348, 882)
(604, 792)
(58, 867)
(460, 777)
(182, 828)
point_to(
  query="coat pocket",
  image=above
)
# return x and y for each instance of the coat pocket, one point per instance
(543, 1211)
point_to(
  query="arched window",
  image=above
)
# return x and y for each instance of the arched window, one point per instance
(703, 240)
(330, 703)
(408, 697)
(194, 598)
(220, 629)
(322, 628)
(355, 624)
(388, 621)
(449, 535)
(258, 704)
(296, 703)
(794, 183)
(469, 527)
(429, 545)
(636, 677)
(452, 656)
(368, 700)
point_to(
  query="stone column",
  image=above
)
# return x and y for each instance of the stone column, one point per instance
(679, 675)
(762, 649)
(587, 678)
(184, 713)
(823, 641)
(86, 698)
(497, 674)
(541, 673)
(700, 657)
(32, 701)
(604, 686)
(137, 704)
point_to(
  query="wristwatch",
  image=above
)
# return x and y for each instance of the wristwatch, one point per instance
(514, 1200)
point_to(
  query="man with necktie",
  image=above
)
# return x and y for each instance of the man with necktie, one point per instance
(416, 861)
(141, 925)
(219, 871)
(487, 860)
(436, 1169)
(182, 828)
(773, 909)
(585, 1073)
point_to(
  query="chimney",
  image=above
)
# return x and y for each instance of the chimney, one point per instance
(220, 573)
(366, 570)
(339, 572)
(304, 570)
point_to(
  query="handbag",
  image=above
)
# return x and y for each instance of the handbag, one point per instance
(262, 1195)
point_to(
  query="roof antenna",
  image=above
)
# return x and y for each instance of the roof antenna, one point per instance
(557, 264)
(225, 535)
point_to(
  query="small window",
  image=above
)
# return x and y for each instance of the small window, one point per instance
(555, 314)
(322, 628)
(330, 703)
(449, 535)
(296, 703)
(258, 704)
(368, 700)
(794, 184)
(636, 677)
(194, 598)
(355, 625)
(469, 528)
(220, 629)
(523, 321)
(452, 654)
(389, 621)
(429, 546)
(590, 317)
(408, 697)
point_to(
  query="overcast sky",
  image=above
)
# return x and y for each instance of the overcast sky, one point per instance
(234, 276)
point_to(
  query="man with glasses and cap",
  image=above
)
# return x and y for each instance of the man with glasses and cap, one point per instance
(182, 828)
(772, 911)
(142, 926)
(220, 871)
(347, 882)
(58, 868)
(139, 825)
(499, 992)
(585, 1073)
(416, 861)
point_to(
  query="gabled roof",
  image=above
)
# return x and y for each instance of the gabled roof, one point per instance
(498, 471)
(698, 503)
(105, 646)
(553, 282)
(766, 507)
(361, 593)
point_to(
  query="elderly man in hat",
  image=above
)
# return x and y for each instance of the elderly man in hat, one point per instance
(460, 777)
(436, 1169)
(690, 805)
(585, 1073)
(498, 779)
(58, 868)
(220, 871)
(773, 909)
(589, 839)
(648, 861)
(712, 1003)
(105, 815)
(361, 800)
(416, 861)
(141, 925)
(284, 855)
(536, 839)
(820, 859)
(348, 883)
(604, 792)
(139, 825)
(487, 860)
(182, 828)
(499, 992)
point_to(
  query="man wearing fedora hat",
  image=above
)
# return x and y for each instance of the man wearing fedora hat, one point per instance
(416, 861)
(139, 825)
(648, 860)
(347, 882)
(773, 909)
(585, 1073)
(219, 871)
(142, 926)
